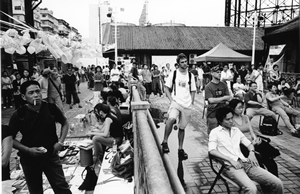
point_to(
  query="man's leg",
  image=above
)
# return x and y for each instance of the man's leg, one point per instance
(173, 114)
(296, 114)
(53, 170)
(284, 117)
(240, 177)
(184, 119)
(266, 112)
(33, 176)
(270, 183)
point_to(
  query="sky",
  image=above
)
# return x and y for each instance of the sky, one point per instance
(188, 12)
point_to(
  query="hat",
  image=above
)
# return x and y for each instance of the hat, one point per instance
(46, 71)
(216, 68)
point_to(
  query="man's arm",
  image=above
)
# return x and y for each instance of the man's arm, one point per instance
(33, 151)
(272, 99)
(193, 96)
(218, 154)
(7, 144)
(217, 100)
(168, 93)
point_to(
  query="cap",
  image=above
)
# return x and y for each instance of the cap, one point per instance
(46, 71)
(216, 68)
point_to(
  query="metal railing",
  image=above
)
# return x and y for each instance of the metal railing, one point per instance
(154, 172)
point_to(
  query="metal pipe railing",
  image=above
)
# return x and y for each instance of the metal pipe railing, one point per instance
(149, 138)
(174, 180)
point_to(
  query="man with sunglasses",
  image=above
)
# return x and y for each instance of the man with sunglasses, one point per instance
(217, 95)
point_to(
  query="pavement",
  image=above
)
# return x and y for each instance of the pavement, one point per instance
(197, 173)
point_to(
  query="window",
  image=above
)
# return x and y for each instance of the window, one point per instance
(44, 15)
(18, 8)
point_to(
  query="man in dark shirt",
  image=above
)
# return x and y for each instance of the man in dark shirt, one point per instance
(254, 103)
(216, 95)
(39, 146)
(242, 73)
(70, 80)
(134, 71)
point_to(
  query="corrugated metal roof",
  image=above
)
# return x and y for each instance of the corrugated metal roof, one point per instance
(184, 37)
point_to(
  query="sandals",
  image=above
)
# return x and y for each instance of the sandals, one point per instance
(165, 147)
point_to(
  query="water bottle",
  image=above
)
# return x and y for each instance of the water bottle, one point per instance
(114, 147)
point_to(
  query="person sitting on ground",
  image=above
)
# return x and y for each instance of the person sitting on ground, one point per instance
(239, 88)
(116, 93)
(254, 103)
(114, 107)
(283, 84)
(224, 143)
(110, 131)
(283, 109)
(123, 90)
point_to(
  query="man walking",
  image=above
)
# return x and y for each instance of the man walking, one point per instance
(217, 95)
(183, 95)
(39, 146)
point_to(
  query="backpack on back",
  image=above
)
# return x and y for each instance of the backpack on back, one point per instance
(174, 84)
(269, 126)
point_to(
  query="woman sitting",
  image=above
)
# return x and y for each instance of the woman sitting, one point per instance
(110, 131)
(242, 122)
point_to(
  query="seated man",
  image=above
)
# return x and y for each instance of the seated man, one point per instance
(283, 109)
(254, 101)
(224, 143)
(239, 88)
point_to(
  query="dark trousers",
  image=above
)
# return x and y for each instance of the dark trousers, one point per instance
(7, 96)
(69, 94)
(156, 87)
(33, 169)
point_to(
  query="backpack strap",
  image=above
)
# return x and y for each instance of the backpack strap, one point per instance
(173, 82)
(190, 83)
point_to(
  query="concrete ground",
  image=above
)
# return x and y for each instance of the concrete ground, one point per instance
(198, 175)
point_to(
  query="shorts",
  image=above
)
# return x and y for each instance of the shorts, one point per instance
(183, 114)
(148, 87)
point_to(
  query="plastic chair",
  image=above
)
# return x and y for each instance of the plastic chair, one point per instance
(220, 175)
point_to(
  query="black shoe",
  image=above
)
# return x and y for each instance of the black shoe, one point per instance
(182, 155)
(165, 147)
(175, 127)
(296, 134)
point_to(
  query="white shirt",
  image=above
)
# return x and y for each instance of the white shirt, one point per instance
(239, 88)
(200, 73)
(256, 73)
(226, 75)
(183, 94)
(115, 75)
(228, 144)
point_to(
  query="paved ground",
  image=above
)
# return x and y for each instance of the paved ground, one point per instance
(197, 173)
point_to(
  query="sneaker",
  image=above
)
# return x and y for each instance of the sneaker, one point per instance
(79, 106)
(10, 106)
(296, 133)
(165, 147)
(182, 155)
(4, 107)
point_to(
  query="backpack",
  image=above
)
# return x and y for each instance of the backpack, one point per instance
(174, 78)
(268, 126)
(90, 180)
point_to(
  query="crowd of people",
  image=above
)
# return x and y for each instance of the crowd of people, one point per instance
(229, 93)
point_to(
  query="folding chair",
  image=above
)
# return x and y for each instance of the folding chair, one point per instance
(220, 175)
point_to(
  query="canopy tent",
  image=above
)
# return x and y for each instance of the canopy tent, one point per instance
(222, 53)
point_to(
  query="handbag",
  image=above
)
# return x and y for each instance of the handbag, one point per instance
(266, 150)
(121, 166)
(90, 179)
